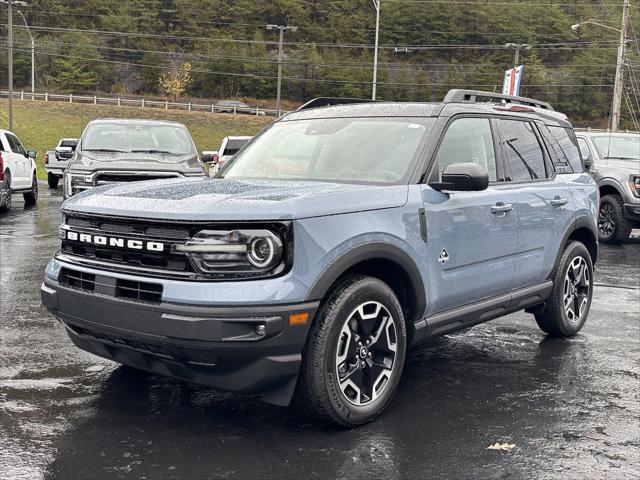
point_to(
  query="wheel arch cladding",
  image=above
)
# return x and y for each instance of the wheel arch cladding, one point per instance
(609, 188)
(383, 261)
(584, 231)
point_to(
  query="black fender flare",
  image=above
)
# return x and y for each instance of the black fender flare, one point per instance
(373, 251)
(582, 222)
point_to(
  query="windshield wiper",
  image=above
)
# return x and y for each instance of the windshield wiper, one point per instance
(103, 150)
(151, 151)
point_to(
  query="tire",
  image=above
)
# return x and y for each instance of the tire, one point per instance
(52, 180)
(569, 282)
(359, 308)
(31, 197)
(612, 226)
(6, 185)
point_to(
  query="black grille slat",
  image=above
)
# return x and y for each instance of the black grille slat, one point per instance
(140, 291)
(78, 280)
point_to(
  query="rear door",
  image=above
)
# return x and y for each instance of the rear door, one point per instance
(472, 236)
(21, 177)
(544, 204)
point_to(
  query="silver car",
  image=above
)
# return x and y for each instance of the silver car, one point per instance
(613, 159)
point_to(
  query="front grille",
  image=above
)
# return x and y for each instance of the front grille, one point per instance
(166, 264)
(77, 280)
(107, 178)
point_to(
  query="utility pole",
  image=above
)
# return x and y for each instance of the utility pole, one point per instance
(617, 88)
(33, 53)
(376, 4)
(281, 28)
(10, 52)
(517, 47)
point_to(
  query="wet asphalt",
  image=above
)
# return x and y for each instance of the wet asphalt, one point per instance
(568, 408)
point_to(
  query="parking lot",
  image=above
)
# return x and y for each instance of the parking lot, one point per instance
(567, 408)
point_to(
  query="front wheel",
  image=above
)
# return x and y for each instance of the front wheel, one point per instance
(6, 187)
(612, 226)
(355, 354)
(31, 197)
(568, 306)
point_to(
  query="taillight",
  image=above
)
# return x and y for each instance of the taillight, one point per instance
(1, 167)
(46, 159)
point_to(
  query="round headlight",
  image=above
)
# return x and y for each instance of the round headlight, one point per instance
(261, 252)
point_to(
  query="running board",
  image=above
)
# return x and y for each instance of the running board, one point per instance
(482, 311)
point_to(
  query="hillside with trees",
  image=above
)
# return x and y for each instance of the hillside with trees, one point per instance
(134, 47)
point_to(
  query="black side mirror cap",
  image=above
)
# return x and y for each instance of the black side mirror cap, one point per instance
(463, 177)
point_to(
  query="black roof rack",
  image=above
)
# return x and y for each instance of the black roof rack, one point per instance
(328, 101)
(472, 96)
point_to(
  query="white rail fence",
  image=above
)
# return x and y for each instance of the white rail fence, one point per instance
(138, 102)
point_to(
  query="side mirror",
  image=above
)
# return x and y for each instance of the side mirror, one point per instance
(210, 157)
(32, 154)
(463, 177)
(587, 163)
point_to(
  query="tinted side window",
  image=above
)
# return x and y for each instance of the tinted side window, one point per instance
(2, 145)
(525, 156)
(569, 144)
(559, 161)
(16, 146)
(584, 148)
(468, 140)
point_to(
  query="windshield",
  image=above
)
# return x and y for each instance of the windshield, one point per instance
(624, 147)
(143, 138)
(368, 150)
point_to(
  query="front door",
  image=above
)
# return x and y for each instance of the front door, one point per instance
(471, 236)
(21, 177)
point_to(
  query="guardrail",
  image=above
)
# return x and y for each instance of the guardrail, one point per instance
(138, 102)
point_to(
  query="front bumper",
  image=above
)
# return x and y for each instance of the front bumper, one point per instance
(243, 349)
(632, 212)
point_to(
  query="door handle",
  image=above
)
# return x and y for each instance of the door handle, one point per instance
(559, 202)
(501, 207)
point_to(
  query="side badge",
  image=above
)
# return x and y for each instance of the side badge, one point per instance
(444, 256)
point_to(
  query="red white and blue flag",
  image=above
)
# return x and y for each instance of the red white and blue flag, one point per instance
(511, 83)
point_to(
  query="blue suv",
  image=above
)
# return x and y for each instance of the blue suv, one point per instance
(338, 238)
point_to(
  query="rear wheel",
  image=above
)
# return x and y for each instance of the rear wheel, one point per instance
(31, 197)
(568, 306)
(52, 180)
(6, 188)
(612, 226)
(355, 353)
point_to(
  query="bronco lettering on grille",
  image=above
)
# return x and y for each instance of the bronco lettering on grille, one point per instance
(115, 242)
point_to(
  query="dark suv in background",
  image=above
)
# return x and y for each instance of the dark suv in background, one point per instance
(613, 159)
(115, 151)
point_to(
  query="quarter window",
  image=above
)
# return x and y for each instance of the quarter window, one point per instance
(468, 140)
(569, 145)
(524, 153)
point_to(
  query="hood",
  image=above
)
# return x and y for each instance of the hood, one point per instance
(213, 199)
(94, 161)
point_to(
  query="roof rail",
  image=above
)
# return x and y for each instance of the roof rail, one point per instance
(463, 96)
(328, 101)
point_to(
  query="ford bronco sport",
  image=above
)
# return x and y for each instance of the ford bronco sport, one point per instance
(338, 238)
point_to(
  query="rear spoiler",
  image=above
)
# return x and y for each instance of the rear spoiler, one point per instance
(329, 101)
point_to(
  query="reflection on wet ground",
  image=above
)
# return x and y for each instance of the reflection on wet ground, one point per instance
(570, 407)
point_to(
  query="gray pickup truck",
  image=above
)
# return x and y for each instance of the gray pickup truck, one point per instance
(613, 159)
(55, 161)
(116, 151)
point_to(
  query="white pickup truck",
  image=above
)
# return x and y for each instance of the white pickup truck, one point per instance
(55, 161)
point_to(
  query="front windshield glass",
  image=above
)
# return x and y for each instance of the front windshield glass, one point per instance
(367, 150)
(619, 147)
(142, 138)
